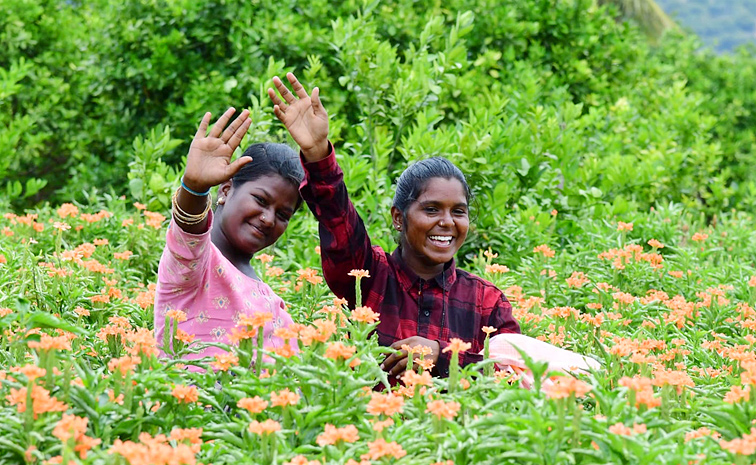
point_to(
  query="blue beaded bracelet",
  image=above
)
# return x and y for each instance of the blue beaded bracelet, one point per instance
(198, 194)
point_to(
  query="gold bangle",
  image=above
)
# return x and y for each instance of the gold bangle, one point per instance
(189, 219)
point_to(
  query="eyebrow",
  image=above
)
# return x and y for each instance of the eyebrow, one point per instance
(269, 196)
(436, 202)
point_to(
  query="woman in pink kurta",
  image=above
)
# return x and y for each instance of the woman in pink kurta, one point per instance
(205, 269)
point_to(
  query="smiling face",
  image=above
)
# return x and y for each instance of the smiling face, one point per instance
(256, 213)
(434, 226)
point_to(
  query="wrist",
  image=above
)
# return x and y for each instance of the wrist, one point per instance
(194, 188)
(318, 152)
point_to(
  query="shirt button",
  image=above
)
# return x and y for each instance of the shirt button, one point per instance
(427, 313)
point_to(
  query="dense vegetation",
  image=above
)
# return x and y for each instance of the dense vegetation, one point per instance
(721, 25)
(581, 140)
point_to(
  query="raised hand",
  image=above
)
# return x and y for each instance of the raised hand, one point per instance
(209, 161)
(303, 115)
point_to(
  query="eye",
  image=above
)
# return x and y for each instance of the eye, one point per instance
(430, 209)
(460, 211)
(283, 216)
(260, 200)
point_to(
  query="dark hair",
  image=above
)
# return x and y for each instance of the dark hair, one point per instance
(413, 180)
(270, 158)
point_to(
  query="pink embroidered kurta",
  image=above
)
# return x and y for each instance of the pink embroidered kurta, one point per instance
(196, 278)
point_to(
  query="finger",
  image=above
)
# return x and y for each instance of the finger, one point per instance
(234, 167)
(202, 129)
(317, 105)
(391, 360)
(221, 123)
(238, 135)
(283, 90)
(278, 112)
(234, 126)
(398, 368)
(296, 86)
(275, 99)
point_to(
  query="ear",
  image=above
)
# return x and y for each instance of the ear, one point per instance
(224, 189)
(397, 219)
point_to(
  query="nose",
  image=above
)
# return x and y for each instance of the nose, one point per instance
(267, 217)
(446, 219)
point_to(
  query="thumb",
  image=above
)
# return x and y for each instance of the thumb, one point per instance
(317, 105)
(237, 164)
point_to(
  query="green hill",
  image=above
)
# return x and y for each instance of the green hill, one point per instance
(722, 25)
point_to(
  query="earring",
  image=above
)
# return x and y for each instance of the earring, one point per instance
(221, 201)
(398, 227)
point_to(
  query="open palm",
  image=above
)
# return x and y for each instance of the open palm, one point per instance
(302, 114)
(209, 161)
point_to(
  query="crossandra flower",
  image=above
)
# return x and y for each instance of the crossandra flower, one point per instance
(185, 394)
(380, 448)
(441, 409)
(411, 379)
(336, 350)
(124, 364)
(301, 460)
(624, 226)
(283, 398)
(266, 427)
(565, 386)
(545, 250)
(177, 315)
(385, 404)
(364, 315)
(255, 320)
(332, 435)
(253, 404)
(457, 345)
(264, 257)
(225, 361)
(494, 269)
(359, 274)
(68, 209)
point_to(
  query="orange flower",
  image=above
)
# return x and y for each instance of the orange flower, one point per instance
(742, 446)
(359, 274)
(441, 409)
(565, 386)
(283, 398)
(177, 315)
(253, 404)
(737, 394)
(411, 379)
(193, 435)
(255, 320)
(154, 219)
(545, 250)
(31, 372)
(61, 226)
(185, 394)
(68, 209)
(224, 361)
(3, 259)
(265, 258)
(655, 244)
(332, 435)
(267, 427)
(386, 404)
(624, 226)
(488, 330)
(620, 429)
(379, 426)
(364, 315)
(380, 448)
(274, 271)
(124, 364)
(101, 242)
(184, 337)
(494, 269)
(336, 350)
(301, 460)
(699, 237)
(48, 342)
(139, 206)
(457, 345)
(123, 255)
(577, 279)
(41, 401)
(309, 275)
(5, 311)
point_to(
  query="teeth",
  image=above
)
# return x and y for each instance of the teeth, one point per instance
(441, 238)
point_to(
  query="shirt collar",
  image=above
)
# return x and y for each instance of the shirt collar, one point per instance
(408, 279)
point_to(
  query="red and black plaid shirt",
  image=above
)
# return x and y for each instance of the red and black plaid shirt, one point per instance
(454, 304)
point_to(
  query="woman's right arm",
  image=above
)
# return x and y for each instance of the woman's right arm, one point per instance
(207, 165)
(344, 242)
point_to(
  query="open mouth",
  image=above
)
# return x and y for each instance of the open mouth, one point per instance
(441, 241)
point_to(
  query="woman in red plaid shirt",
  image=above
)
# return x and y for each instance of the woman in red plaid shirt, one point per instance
(422, 298)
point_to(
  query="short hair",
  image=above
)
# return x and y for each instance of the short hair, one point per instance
(415, 178)
(271, 158)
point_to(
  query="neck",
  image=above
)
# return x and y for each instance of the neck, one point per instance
(240, 260)
(415, 263)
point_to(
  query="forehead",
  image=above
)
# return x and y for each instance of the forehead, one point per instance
(274, 185)
(443, 190)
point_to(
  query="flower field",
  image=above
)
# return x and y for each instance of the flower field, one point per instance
(665, 303)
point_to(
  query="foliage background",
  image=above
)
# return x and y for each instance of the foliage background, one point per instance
(545, 104)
